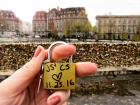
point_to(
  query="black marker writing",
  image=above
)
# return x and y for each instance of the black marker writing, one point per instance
(58, 85)
(57, 77)
(70, 82)
(51, 67)
(64, 67)
(48, 85)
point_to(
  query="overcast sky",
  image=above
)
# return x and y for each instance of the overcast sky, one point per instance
(25, 9)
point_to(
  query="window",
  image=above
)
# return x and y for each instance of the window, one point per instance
(114, 22)
(124, 21)
(129, 22)
(134, 21)
(119, 21)
(104, 22)
(100, 22)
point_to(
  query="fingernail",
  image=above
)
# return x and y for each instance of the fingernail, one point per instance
(54, 101)
(37, 51)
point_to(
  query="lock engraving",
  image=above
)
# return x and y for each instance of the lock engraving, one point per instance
(59, 76)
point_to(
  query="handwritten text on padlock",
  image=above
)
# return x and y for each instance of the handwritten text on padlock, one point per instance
(59, 76)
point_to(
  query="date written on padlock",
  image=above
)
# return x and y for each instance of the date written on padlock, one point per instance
(59, 76)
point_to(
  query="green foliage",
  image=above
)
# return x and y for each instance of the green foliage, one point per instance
(123, 36)
(94, 29)
(136, 37)
(77, 27)
(100, 36)
(87, 27)
(72, 27)
(67, 29)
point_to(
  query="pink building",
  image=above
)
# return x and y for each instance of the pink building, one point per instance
(9, 23)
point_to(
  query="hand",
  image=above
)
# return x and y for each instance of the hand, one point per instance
(21, 87)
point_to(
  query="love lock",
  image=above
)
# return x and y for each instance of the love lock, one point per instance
(58, 75)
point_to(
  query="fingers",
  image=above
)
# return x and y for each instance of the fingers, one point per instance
(62, 51)
(82, 68)
(65, 103)
(38, 50)
(58, 97)
(22, 77)
(85, 69)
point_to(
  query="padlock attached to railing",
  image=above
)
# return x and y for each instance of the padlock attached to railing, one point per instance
(58, 75)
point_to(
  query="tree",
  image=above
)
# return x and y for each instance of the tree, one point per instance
(87, 27)
(77, 28)
(54, 31)
(124, 36)
(94, 29)
(136, 37)
(67, 29)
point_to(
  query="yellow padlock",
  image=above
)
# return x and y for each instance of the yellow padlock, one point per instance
(58, 75)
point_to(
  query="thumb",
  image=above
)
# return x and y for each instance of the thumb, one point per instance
(24, 76)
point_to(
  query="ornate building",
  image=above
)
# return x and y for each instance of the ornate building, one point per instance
(39, 23)
(67, 17)
(115, 27)
(56, 20)
(9, 23)
(52, 19)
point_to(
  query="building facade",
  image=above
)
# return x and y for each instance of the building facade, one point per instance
(52, 14)
(39, 24)
(56, 20)
(67, 17)
(115, 27)
(9, 23)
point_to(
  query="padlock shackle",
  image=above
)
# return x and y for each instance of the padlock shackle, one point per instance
(51, 48)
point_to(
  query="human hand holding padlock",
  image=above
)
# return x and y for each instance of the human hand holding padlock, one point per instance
(21, 87)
